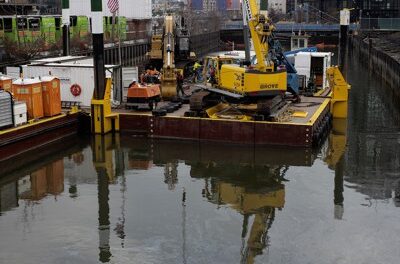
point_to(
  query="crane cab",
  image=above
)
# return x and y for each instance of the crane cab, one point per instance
(227, 73)
(212, 68)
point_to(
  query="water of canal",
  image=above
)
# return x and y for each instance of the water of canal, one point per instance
(132, 200)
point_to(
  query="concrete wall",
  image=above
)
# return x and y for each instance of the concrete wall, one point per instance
(205, 43)
(380, 63)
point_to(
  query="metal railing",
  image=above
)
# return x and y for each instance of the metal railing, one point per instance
(292, 27)
(380, 23)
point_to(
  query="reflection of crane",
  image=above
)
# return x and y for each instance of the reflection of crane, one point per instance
(249, 190)
(258, 239)
(171, 174)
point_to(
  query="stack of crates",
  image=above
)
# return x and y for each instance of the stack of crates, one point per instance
(6, 110)
(30, 91)
(6, 83)
(51, 96)
(20, 113)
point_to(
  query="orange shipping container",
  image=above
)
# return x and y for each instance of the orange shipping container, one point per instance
(6, 83)
(30, 91)
(51, 96)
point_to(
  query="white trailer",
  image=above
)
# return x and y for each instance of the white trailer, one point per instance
(314, 63)
(74, 72)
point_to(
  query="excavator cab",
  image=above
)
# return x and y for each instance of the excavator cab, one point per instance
(212, 69)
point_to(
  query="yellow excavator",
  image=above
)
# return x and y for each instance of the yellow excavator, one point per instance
(170, 47)
(168, 77)
(263, 84)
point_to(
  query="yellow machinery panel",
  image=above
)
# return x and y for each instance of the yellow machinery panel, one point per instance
(340, 92)
(103, 120)
(232, 78)
(242, 81)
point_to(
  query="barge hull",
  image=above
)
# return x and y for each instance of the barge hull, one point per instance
(29, 137)
(295, 134)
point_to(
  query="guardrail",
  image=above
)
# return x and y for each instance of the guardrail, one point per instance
(292, 27)
(380, 23)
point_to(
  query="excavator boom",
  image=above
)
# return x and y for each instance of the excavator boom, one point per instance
(168, 79)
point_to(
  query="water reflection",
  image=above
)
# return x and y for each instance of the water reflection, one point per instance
(254, 191)
(38, 184)
(250, 181)
(373, 156)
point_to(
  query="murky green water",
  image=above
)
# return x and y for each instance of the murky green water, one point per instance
(132, 200)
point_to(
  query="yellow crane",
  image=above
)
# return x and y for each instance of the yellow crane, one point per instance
(245, 84)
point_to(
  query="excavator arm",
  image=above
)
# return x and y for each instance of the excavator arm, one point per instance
(168, 79)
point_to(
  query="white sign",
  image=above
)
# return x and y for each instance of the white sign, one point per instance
(345, 17)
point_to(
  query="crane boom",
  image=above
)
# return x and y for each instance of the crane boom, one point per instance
(260, 29)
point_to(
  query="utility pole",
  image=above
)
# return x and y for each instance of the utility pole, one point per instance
(102, 122)
(65, 27)
(17, 29)
(98, 49)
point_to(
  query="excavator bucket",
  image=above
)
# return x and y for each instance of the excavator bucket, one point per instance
(168, 89)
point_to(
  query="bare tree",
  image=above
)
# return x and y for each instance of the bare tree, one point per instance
(25, 50)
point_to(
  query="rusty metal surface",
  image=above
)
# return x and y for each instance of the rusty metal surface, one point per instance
(227, 131)
(137, 124)
(282, 134)
(232, 132)
(253, 133)
(32, 137)
(40, 156)
(179, 128)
